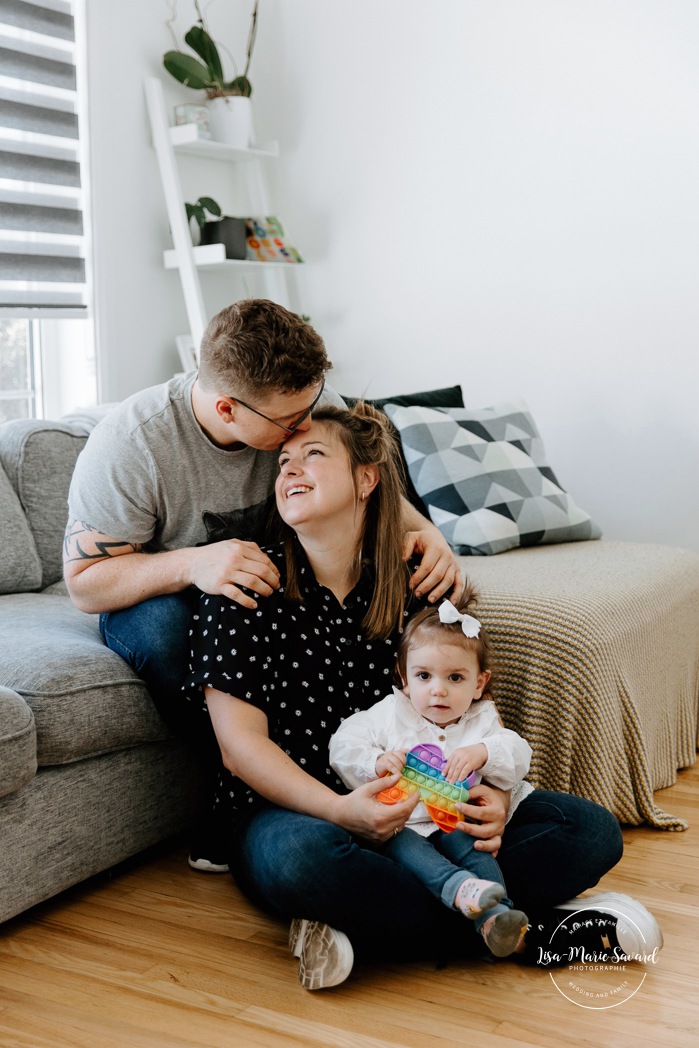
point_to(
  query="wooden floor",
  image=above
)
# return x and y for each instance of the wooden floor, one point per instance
(159, 955)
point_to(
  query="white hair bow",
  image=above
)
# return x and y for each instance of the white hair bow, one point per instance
(448, 614)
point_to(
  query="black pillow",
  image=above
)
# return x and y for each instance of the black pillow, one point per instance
(450, 397)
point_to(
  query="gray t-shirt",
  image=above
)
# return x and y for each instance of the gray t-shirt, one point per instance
(150, 475)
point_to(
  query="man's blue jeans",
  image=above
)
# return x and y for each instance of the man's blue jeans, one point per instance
(153, 637)
(554, 847)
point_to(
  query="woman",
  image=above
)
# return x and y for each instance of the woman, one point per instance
(278, 680)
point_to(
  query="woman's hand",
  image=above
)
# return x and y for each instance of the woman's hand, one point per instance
(362, 814)
(488, 806)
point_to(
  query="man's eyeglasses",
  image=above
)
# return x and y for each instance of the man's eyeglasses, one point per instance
(288, 430)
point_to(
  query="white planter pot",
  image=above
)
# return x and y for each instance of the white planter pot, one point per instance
(230, 120)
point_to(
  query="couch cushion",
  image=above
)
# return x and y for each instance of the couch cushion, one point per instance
(86, 700)
(485, 478)
(448, 397)
(39, 459)
(17, 742)
(20, 568)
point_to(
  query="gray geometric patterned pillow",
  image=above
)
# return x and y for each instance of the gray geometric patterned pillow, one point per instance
(485, 480)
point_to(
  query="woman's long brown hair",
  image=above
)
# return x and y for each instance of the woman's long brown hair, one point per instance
(366, 434)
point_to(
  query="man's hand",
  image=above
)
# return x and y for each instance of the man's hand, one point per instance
(223, 567)
(104, 573)
(438, 573)
(488, 807)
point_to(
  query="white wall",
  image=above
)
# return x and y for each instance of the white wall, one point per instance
(501, 194)
(138, 310)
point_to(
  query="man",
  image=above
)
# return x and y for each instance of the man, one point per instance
(175, 485)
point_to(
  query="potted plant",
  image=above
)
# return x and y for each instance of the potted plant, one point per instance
(199, 210)
(230, 112)
(226, 230)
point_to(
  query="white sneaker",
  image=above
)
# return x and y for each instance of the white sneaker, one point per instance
(637, 931)
(325, 955)
(207, 865)
(297, 931)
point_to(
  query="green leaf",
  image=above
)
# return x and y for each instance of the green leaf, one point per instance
(210, 205)
(200, 207)
(240, 86)
(202, 44)
(196, 212)
(189, 71)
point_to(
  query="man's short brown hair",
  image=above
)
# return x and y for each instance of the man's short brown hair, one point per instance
(256, 347)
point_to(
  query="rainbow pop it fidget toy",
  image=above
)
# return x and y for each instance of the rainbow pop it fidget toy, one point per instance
(424, 771)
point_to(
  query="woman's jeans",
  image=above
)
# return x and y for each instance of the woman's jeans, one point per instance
(554, 847)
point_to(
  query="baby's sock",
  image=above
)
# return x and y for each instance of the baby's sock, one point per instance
(474, 896)
(504, 931)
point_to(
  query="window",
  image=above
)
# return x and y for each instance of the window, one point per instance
(18, 380)
(44, 289)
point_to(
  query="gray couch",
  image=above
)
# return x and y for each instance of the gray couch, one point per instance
(89, 775)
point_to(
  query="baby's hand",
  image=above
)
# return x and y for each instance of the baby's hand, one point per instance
(388, 763)
(465, 760)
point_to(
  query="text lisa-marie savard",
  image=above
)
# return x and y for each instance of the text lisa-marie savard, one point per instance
(579, 955)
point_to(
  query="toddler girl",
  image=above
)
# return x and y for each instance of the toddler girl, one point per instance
(443, 669)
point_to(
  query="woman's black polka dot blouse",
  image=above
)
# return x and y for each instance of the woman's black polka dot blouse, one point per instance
(305, 664)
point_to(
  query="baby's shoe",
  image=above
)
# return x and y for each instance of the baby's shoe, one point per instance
(504, 931)
(474, 896)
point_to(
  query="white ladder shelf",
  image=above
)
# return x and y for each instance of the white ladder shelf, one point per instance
(170, 141)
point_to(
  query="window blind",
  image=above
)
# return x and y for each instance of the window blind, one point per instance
(42, 253)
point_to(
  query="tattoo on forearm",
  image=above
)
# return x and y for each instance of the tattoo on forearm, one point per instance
(82, 542)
